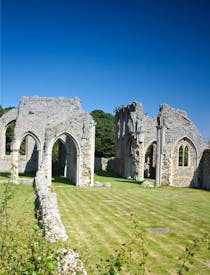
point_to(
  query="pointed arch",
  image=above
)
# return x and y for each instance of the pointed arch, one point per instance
(184, 162)
(150, 156)
(72, 169)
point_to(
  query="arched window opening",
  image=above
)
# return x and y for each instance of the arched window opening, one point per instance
(28, 155)
(150, 162)
(58, 158)
(64, 159)
(186, 156)
(181, 155)
(9, 137)
(22, 150)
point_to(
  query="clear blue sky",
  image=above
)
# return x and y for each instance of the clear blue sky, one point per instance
(109, 53)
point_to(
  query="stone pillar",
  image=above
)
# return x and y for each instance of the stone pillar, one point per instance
(140, 162)
(159, 156)
(48, 169)
(2, 144)
(14, 166)
(140, 156)
(92, 152)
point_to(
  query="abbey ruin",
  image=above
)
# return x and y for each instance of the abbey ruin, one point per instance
(40, 123)
(168, 148)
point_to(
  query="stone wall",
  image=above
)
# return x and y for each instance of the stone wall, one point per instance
(135, 131)
(43, 121)
(53, 228)
(205, 170)
(172, 129)
(46, 202)
(104, 164)
(175, 128)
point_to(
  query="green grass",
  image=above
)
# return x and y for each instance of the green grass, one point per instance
(20, 204)
(98, 220)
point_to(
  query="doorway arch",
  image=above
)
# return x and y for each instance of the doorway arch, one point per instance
(150, 160)
(70, 163)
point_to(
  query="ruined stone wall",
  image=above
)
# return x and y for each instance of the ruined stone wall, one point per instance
(205, 170)
(104, 164)
(5, 160)
(172, 129)
(176, 129)
(134, 133)
(42, 121)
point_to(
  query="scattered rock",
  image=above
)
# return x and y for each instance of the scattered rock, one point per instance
(70, 263)
(147, 184)
(107, 184)
(98, 184)
(102, 184)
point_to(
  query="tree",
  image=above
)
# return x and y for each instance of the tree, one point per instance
(105, 134)
(1, 110)
(5, 110)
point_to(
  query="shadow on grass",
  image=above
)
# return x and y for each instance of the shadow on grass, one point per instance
(28, 174)
(5, 174)
(63, 180)
(116, 177)
(107, 174)
(130, 181)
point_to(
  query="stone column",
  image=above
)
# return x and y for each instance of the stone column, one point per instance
(48, 169)
(140, 163)
(159, 157)
(2, 143)
(140, 156)
(14, 166)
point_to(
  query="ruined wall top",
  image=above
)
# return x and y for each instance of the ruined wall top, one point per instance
(177, 125)
(8, 116)
(37, 114)
(132, 107)
(49, 104)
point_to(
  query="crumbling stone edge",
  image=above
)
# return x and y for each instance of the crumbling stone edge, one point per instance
(53, 228)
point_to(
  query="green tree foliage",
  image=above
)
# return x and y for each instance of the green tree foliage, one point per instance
(1, 110)
(105, 133)
(5, 110)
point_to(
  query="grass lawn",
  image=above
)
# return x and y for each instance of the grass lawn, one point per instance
(20, 203)
(98, 220)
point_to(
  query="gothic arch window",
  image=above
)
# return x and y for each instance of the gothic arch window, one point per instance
(186, 155)
(180, 155)
(183, 155)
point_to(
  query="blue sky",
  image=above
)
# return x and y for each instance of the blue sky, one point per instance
(109, 53)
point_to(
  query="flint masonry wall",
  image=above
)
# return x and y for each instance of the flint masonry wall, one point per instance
(176, 130)
(169, 132)
(134, 133)
(205, 170)
(43, 121)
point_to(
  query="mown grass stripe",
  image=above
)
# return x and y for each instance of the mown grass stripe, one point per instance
(109, 210)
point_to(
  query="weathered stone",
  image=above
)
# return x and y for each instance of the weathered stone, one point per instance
(147, 184)
(43, 121)
(168, 148)
(107, 184)
(70, 263)
(98, 184)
